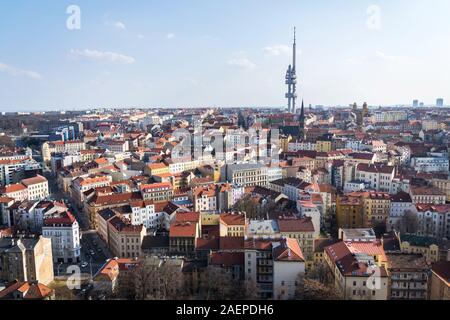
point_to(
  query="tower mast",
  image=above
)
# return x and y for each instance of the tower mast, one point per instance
(291, 78)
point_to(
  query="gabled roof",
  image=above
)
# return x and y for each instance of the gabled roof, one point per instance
(288, 250)
(29, 290)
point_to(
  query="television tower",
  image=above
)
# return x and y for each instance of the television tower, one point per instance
(291, 78)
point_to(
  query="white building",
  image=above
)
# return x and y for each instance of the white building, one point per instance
(148, 214)
(378, 176)
(274, 266)
(37, 187)
(247, 175)
(288, 265)
(63, 230)
(430, 164)
(400, 204)
(434, 220)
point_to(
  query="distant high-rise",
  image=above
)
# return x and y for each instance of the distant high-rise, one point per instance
(291, 79)
(440, 102)
(415, 103)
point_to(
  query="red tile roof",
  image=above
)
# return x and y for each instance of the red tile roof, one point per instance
(183, 229)
(232, 219)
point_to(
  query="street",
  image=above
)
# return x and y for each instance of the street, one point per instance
(94, 251)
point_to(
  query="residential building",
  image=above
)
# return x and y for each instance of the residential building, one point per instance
(64, 231)
(432, 195)
(408, 276)
(357, 273)
(28, 290)
(26, 259)
(440, 281)
(124, 239)
(378, 176)
(232, 225)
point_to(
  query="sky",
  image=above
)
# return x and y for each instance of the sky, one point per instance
(224, 53)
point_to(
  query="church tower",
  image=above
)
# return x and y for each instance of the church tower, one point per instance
(301, 124)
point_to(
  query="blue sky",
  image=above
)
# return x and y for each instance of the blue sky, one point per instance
(178, 53)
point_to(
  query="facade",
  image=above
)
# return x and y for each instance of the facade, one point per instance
(378, 176)
(350, 212)
(431, 195)
(124, 239)
(26, 259)
(232, 225)
(157, 192)
(37, 187)
(440, 281)
(247, 175)
(357, 273)
(64, 231)
(274, 266)
(408, 276)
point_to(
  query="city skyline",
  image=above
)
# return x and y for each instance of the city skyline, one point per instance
(185, 55)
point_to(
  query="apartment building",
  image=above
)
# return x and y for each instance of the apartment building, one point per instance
(301, 229)
(64, 231)
(232, 225)
(37, 187)
(83, 184)
(434, 220)
(440, 281)
(274, 266)
(401, 203)
(246, 175)
(357, 273)
(431, 195)
(157, 192)
(205, 199)
(50, 147)
(408, 276)
(26, 259)
(124, 239)
(378, 176)
(185, 229)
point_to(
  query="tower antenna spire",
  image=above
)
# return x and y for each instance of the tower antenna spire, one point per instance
(291, 77)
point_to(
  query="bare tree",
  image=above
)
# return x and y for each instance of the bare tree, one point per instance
(308, 289)
(216, 285)
(247, 205)
(154, 279)
(409, 223)
(321, 273)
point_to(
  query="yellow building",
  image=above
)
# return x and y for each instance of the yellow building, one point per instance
(210, 219)
(426, 246)
(323, 145)
(157, 168)
(377, 206)
(350, 212)
(232, 225)
(303, 231)
(442, 184)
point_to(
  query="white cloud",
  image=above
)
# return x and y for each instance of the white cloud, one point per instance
(170, 36)
(120, 25)
(101, 56)
(278, 50)
(241, 63)
(16, 72)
